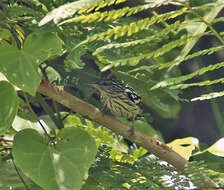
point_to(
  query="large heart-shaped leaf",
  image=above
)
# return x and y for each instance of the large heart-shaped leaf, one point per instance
(8, 105)
(43, 45)
(20, 68)
(53, 167)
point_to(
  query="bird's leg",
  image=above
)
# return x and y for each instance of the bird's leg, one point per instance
(132, 128)
(105, 111)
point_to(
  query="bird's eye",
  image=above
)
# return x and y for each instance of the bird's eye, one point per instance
(132, 96)
(137, 100)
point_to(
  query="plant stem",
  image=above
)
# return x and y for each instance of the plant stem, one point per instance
(21, 178)
(48, 110)
(207, 23)
(36, 117)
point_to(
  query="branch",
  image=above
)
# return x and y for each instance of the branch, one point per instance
(89, 111)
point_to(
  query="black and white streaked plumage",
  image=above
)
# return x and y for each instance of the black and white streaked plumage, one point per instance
(120, 99)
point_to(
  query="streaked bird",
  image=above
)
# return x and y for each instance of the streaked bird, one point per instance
(119, 99)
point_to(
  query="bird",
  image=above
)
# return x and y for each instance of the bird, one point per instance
(120, 99)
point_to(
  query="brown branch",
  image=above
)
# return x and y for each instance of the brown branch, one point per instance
(215, 188)
(89, 111)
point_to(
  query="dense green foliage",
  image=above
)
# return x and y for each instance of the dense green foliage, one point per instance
(148, 45)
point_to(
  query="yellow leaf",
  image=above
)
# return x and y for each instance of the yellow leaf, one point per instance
(184, 146)
(217, 148)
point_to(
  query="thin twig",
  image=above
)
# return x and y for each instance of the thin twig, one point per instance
(45, 131)
(49, 111)
(36, 117)
(29, 106)
(20, 176)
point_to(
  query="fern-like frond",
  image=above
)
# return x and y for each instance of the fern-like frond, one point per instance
(196, 171)
(191, 56)
(134, 27)
(146, 173)
(156, 37)
(174, 62)
(161, 51)
(209, 96)
(178, 80)
(69, 9)
(100, 4)
(203, 83)
(107, 15)
(220, 19)
(200, 28)
(110, 15)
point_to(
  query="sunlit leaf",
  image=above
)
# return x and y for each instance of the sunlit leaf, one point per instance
(184, 146)
(65, 11)
(217, 148)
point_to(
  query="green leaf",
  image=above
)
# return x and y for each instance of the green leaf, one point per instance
(4, 33)
(73, 59)
(147, 129)
(52, 74)
(43, 45)
(37, 48)
(212, 161)
(20, 68)
(8, 105)
(54, 167)
(9, 179)
(91, 184)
